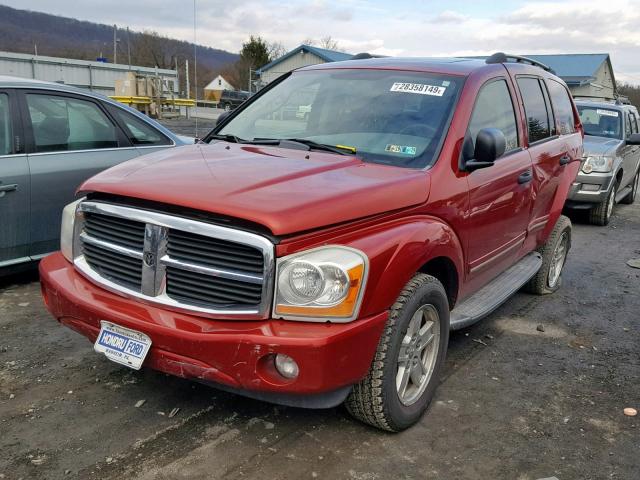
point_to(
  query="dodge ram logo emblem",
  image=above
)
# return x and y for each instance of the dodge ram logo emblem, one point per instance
(149, 259)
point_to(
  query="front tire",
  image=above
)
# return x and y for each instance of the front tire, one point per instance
(554, 255)
(406, 368)
(601, 213)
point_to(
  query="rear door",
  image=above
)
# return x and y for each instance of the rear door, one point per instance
(14, 184)
(69, 139)
(548, 149)
(500, 196)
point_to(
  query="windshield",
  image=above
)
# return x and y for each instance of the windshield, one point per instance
(392, 117)
(601, 122)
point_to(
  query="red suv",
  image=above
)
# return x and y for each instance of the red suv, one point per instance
(315, 259)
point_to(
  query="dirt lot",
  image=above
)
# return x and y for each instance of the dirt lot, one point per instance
(515, 402)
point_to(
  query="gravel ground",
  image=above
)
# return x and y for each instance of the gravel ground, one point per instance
(515, 402)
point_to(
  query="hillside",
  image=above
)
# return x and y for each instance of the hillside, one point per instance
(59, 36)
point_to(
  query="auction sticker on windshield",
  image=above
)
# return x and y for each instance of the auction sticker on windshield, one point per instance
(122, 345)
(420, 88)
(608, 113)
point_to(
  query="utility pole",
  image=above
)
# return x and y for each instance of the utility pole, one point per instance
(186, 68)
(177, 74)
(129, 48)
(115, 43)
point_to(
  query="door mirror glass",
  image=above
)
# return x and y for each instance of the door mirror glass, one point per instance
(633, 139)
(490, 145)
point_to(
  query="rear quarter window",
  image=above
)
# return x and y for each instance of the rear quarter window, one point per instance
(139, 132)
(562, 107)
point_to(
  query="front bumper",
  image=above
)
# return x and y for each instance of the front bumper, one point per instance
(233, 355)
(590, 188)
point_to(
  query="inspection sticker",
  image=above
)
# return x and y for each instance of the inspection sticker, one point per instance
(420, 88)
(400, 149)
(607, 113)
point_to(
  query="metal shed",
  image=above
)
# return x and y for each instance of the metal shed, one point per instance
(301, 56)
(96, 76)
(586, 74)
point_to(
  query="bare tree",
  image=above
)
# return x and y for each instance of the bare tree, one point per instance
(329, 43)
(276, 50)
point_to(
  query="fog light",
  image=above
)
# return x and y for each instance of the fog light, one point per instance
(286, 366)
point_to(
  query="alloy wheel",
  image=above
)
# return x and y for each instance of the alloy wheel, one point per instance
(418, 354)
(611, 202)
(557, 260)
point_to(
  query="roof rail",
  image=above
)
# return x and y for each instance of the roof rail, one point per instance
(501, 57)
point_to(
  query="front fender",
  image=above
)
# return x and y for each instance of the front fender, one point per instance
(396, 251)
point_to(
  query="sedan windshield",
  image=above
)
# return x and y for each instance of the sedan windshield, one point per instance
(601, 122)
(384, 116)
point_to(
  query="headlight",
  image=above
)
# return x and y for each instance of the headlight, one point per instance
(67, 228)
(598, 164)
(324, 283)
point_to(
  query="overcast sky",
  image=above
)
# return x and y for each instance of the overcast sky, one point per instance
(396, 27)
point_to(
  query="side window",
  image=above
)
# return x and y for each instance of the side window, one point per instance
(138, 132)
(6, 144)
(535, 109)
(64, 123)
(627, 125)
(494, 109)
(634, 122)
(562, 107)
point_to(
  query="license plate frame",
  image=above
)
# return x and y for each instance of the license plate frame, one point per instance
(122, 345)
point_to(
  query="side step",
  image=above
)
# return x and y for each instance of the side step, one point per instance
(495, 293)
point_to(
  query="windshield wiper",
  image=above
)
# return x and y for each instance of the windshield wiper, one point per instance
(227, 138)
(339, 149)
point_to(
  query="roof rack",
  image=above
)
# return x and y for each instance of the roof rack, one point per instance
(501, 57)
(365, 55)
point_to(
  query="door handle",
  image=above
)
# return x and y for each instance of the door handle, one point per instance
(564, 160)
(525, 177)
(7, 188)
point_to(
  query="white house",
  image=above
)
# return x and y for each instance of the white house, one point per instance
(215, 87)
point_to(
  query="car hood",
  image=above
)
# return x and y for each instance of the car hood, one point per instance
(285, 190)
(600, 145)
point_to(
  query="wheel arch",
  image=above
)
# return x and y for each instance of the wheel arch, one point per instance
(445, 271)
(397, 252)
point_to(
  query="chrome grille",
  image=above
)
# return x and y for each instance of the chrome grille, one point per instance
(174, 261)
(188, 247)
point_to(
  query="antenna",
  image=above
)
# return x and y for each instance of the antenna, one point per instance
(195, 65)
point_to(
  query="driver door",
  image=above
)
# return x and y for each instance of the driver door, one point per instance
(500, 196)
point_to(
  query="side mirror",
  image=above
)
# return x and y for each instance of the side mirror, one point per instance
(222, 117)
(633, 139)
(490, 145)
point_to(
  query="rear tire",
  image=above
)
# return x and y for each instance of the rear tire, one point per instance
(406, 368)
(601, 213)
(629, 199)
(554, 255)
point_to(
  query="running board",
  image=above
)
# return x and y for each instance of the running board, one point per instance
(494, 294)
(623, 193)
